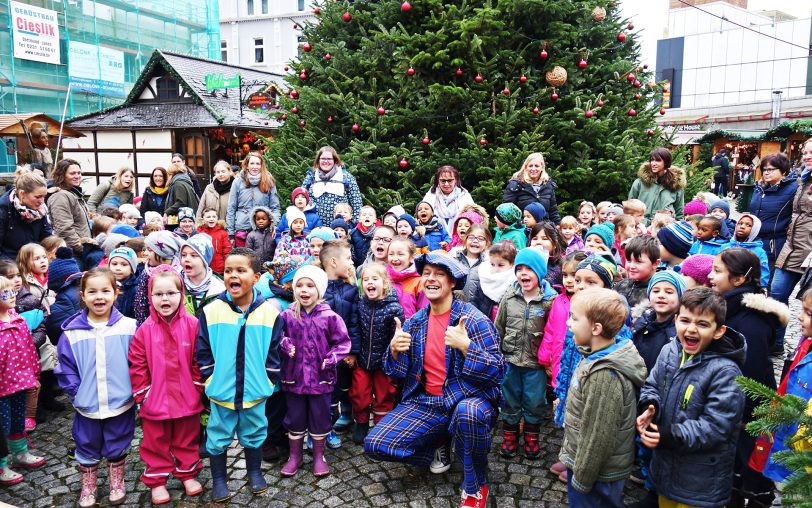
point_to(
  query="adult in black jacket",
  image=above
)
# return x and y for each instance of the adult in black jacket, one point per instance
(23, 214)
(154, 197)
(532, 184)
(721, 177)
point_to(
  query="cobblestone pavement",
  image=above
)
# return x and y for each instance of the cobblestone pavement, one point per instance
(355, 480)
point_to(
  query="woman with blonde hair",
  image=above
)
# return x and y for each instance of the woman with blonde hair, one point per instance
(181, 194)
(217, 193)
(118, 190)
(532, 184)
(254, 187)
(23, 214)
(329, 183)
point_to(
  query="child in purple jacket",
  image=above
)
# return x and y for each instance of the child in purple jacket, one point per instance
(314, 341)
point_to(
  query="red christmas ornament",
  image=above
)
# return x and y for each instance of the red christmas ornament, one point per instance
(317, 10)
(307, 47)
(522, 79)
(295, 26)
(544, 54)
(346, 17)
(582, 63)
(329, 119)
(536, 110)
(554, 96)
(630, 77)
(632, 112)
(636, 83)
(286, 68)
(650, 132)
(303, 75)
(410, 72)
(381, 111)
(662, 111)
(589, 113)
(405, 7)
(294, 94)
(600, 104)
(403, 164)
(356, 127)
(294, 110)
(630, 26)
(301, 123)
(284, 116)
(459, 72)
(483, 142)
(621, 37)
(645, 66)
(426, 141)
(266, 123)
(478, 78)
(636, 96)
(327, 56)
(506, 91)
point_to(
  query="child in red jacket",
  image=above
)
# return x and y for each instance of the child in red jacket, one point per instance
(219, 240)
(166, 382)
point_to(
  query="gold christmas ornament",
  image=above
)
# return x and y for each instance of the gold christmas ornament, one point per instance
(556, 77)
(599, 14)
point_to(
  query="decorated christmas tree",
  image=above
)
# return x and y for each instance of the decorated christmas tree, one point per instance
(400, 88)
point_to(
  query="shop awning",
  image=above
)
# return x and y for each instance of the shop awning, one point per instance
(10, 125)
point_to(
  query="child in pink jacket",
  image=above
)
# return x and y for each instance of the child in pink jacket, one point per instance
(166, 382)
(555, 331)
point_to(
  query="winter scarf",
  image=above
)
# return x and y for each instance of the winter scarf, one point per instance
(222, 188)
(159, 191)
(432, 225)
(254, 179)
(198, 291)
(447, 205)
(494, 285)
(26, 213)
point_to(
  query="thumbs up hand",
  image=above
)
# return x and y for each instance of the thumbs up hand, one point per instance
(401, 341)
(457, 338)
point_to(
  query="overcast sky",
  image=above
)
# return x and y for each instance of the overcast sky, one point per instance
(650, 17)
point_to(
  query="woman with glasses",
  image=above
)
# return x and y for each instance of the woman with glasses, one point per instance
(532, 184)
(447, 196)
(255, 186)
(660, 185)
(329, 183)
(772, 203)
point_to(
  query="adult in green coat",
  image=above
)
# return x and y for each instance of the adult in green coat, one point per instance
(116, 191)
(659, 185)
(181, 194)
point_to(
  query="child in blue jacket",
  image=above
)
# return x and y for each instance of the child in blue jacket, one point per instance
(436, 235)
(708, 239)
(744, 237)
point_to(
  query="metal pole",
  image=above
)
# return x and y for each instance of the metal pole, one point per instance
(13, 69)
(61, 126)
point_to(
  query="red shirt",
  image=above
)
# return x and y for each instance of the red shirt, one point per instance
(434, 359)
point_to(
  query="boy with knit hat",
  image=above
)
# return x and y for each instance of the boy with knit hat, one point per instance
(745, 232)
(186, 223)
(123, 262)
(301, 200)
(317, 238)
(675, 242)
(509, 225)
(600, 238)
(200, 284)
(520, 323)
(406, 227)
(341, 227)
(721, 210)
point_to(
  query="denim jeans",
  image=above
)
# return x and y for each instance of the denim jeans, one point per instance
(602, 495)
(781, 287)
(524, 395)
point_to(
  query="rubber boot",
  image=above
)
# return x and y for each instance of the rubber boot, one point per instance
(88, 495)
(532, 450)
(21, 456)
(510, 439)
(219, 485)
(320, 467)
(115, 478)
(253, 466)
(295, 460)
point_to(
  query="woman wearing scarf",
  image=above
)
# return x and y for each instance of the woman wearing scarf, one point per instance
(154, 199)
(66, 205)
(23, 214)
(329, 184)
(532, 184)
(447, 196)
(254, 187)
(216, 194)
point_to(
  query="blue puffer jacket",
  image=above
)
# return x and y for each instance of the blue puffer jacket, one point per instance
(343, 300)
(65, 306)
(649, 336)
(242, 200)
(698, 411)
(15, 232)
(125, 303)
(361, 243)
(757, 248)
(773, 206)
(377, 320)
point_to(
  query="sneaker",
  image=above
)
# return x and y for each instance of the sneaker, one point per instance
(478, 500)
(637, 476)
(360, 433)
(72, 453)
(30, 424)
(442, 459)
(333, 441)
(9, 477)
(27, 460)
(343, 424)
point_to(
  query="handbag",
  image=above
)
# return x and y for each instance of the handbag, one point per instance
(48, 356)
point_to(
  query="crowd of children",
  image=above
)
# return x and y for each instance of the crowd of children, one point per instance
(634, 331)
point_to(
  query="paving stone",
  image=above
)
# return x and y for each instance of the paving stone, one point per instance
(374, 489)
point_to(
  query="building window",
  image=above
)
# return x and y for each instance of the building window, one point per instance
(301, 5)
(167, 88)
(259, 50)
(250, 7)
(264, 6)
(224, 51)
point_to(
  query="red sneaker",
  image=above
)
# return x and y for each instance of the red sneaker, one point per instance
(478, 500)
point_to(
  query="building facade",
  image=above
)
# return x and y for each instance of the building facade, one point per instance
(97, 47)
(263, 34)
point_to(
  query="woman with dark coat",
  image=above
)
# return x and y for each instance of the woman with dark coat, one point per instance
(532, 184)
(772, 203)
(23, 214)
(181, 194)
(154, 197)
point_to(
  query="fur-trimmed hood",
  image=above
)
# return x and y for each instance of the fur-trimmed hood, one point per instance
(648, 178)
(763, 303)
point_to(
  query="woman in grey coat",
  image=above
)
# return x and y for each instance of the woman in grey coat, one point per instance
(255, 186)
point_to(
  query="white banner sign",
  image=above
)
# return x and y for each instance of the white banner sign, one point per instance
(35, 32)
(96, 69)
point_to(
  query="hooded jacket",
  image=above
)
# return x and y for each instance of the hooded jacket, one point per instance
(799, 236)
(93, 361)
(221, 245)
(312, 221)
(657, 197)
(69, 216)
(164, 375)
(29, 302)
(65, 306)
(773, 206)
(262, 241)
(19, 360)
(711, 247)
(194, 305)
(318, 336)
(125, 303)
(243, 199)
(521, 323)
(754, 245)
(238, 352)
(521, 194)
(181, 193)
(555, 331)
(377, 322)
(599, 424)
(650, 336)
(514, 233)
(15, 232)
(106, 192)
(698, 409)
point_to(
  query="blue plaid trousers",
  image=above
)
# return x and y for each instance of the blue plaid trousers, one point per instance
(411, 431)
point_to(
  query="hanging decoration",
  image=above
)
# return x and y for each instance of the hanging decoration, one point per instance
(599, 14)
(556, 77)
